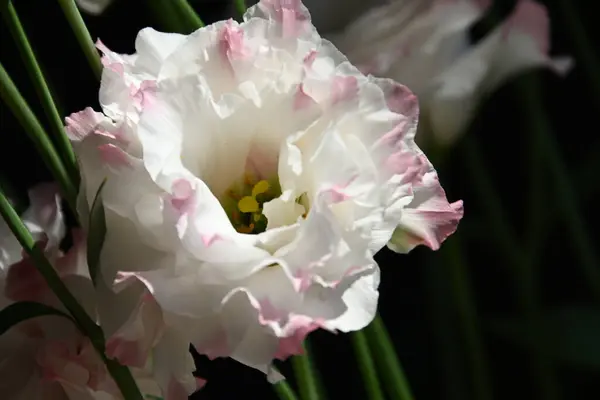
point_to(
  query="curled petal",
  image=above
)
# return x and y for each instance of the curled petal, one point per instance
(429, 219)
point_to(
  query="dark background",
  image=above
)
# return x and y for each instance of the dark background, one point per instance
(427, 298)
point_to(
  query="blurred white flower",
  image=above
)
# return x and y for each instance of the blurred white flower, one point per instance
(253, 173)
(93, 7)
(47, 358)
(425, 45)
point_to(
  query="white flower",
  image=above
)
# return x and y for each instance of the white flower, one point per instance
(47, 358)
(93, 7)
(425, 44)
(253, 173)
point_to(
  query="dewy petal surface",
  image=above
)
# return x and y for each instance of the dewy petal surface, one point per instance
(252, 174)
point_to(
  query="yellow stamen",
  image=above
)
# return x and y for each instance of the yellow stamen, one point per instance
(261, 187)
(248, 204)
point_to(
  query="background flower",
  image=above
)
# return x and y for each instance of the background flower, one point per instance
(48, 357)
(427, 46)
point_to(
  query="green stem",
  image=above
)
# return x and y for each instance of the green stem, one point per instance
(240, 6)
(366, 366)
(187, 11)
(284, 391)
(305, 377)
(565, 194)
(448, 342)
(35, 74)
(584, 178)
(11, 96)
(120, 374)
(83, 35)
(168, 17)
(387, 361)
(522, 272)
(480, 373)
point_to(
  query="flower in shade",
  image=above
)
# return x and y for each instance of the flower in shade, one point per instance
(425, 44)
(93, 7)
(252, 174)
(47, 357)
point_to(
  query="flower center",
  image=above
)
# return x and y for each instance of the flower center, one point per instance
(243, 203)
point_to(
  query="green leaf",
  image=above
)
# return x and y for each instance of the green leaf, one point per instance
(24, 310)
(570, 335)
(96, 233)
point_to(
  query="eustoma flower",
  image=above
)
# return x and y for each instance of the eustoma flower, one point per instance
(425, 44)
(252, 174)
(94, 7)
(47, 357)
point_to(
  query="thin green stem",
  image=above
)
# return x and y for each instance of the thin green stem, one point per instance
(35, 74)
(480, 373)
(120, 374)
(448, 342)
(534, 233)
(240, 6)
(386, 360)
(366, 366)
(305, 377)
(168, 17)
(11, 96)
(82, 34)
(564, 191)
(188, 12)
(585, 182)
(284, 391)
(522, 272)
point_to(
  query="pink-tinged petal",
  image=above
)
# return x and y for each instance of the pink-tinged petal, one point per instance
(82, 123)
(126, 352)
(74, 364)
(400, 99)
(531, 18)
(132, 343)
(176, 391)
(108, 59)
(113, 156)
(231, 42)
(343, 88)
(216, 347)
(429, 219)
(143, 96)
(200, 383)
(124, 279)
(209, 239)
(302, 100)
(290, 14)
(183, 196)
(303, 279)
(310, 58)
(297, 328)
(24, 282)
